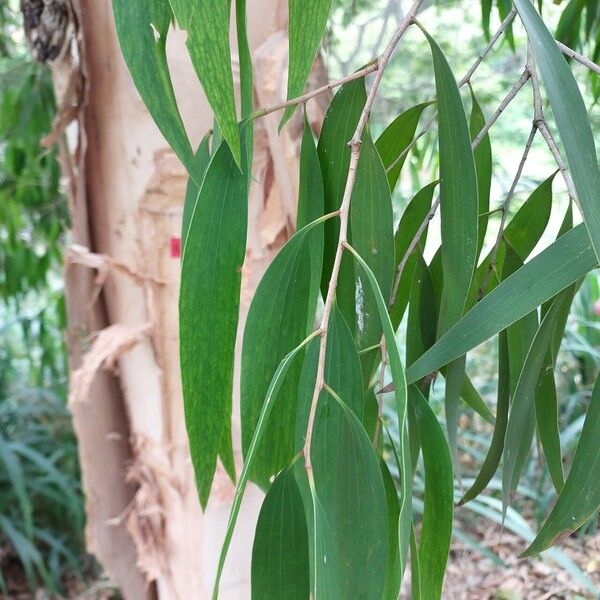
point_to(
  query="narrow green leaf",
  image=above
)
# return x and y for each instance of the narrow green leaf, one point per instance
(580, 496)
(280, 564)
(400, 392)
(272, 393)
(459, 210)
(208, 46)
(436, 529)
(571, 117)
(334, 155)
(529, 223)
(352, 561)
(459, 204)
(210, 285)
(524, 395)
(343, 373)
(182, 10)
(372, 233)
(393, 577)
(307, 21)
(280, 316)
(246, 78)
(471, 396)
(494, 453)
(546, 415)
(483, 165)
(563, 263)
(415, 569)
(201, 161)
(142, 27)
(413, 216)
(455, 377)
(311, 198)
(396, 138)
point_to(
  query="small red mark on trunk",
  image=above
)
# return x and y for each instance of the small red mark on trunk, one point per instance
(175, 247)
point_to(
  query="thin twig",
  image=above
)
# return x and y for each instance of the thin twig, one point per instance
(504, 209)
(509, 97)
(482, 55)
(466, 79)
(540, 122)
(355, 147)
(370, 68)
(583, 60)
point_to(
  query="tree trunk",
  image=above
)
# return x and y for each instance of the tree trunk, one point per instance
(126, 190)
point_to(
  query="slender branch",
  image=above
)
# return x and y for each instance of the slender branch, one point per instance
(370, 68)
(355, 147)
(411, 248)
(540, 122)
(504, 210)
(466, 79)
(482, 55)
(507, 100)
(583, 60)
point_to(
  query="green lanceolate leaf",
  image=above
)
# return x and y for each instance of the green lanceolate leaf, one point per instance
(436, 530)
(400, 392)
(546, 416)
(342, 372)
(483, 165)
(472, 397)
(334, 155)
(349, 488)
(396, 138)
(201, 161)
(267, 407)
(393, 578)
(280, 316)
(494, 454)
(571, 117)
(459, 204)
(182, 9)
(528, 225)
(413, 216)
(580, 496)
(372, 234)
(280, 564)
(524, 395)
(311, 199)
(307, 21)
(563, 263)
(208, 46)
(142, 27)
(459, 208)
(208, 311)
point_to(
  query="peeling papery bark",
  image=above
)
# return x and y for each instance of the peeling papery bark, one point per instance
(126, 190)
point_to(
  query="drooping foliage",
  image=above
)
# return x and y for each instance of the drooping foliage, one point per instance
(320, 347)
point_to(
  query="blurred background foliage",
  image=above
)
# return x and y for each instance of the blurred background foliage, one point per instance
(41, 505)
